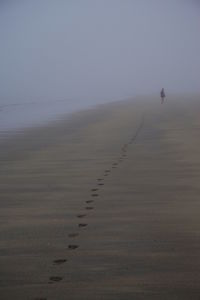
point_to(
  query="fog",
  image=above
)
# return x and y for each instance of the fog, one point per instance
(97, 50)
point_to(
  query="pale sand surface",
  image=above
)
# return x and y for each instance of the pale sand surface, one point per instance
(142, 239)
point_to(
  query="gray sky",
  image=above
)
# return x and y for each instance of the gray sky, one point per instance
(97, 49)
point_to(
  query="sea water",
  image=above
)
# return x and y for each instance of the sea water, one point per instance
(20, 115)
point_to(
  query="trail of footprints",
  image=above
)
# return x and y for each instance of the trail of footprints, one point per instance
(94, 193)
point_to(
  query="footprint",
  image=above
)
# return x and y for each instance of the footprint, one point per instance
(101, 184)
(75, 234)
(100, 179)
(94, 195)
(81, 216)
(55, 278)
(59, 261)
(107, 171)
(94, 190)
(82, 225)
(89, 201)
(89, 207)
(73, 247)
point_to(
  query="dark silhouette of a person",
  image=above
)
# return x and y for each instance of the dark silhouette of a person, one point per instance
(162, 95)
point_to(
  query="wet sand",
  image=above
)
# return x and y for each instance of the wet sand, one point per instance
(104, 205)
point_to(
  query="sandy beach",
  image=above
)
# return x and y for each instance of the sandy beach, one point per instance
(104, 205)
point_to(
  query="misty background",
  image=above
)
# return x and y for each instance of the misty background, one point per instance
(75, 53)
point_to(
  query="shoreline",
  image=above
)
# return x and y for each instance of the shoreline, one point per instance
(70, 121)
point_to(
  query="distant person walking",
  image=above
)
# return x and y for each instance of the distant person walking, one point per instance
(162, 95)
